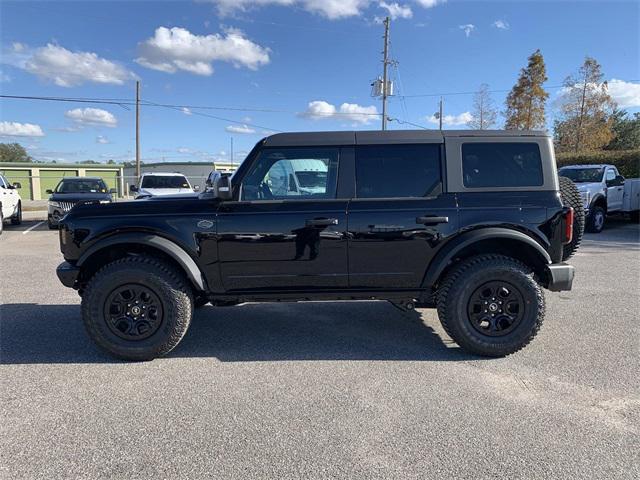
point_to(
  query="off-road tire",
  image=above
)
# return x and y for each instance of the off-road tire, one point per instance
(455, 291)
(170, 287)
(570, 196)
(52, 226)
(592, 225)
(17, 218)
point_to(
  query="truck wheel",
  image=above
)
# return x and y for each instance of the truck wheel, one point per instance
(491, 305)
(570, 196)
(137, 308)
(17, 218)
(595, 222)
(1, 220)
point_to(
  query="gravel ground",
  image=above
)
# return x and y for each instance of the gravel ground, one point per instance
(322, 390)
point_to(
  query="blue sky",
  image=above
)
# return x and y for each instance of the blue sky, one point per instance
(280, 56)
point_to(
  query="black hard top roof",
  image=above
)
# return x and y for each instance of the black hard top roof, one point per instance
(370, 137)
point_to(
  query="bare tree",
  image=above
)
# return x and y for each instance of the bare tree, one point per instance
(484, 112)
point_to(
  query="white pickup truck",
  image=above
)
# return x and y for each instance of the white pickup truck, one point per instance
(604, 191)
(10, 203)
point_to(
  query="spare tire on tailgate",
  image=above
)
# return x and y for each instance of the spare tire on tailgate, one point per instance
(571, 198)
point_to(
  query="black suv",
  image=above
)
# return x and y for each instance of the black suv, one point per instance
(469, 222)
(73, 190)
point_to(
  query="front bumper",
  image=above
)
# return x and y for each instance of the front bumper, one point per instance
(68, 274)
(560, 277)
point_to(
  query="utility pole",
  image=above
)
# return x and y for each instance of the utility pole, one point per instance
(137, 130)
(385, 63)
(440, 113)
(231, 156)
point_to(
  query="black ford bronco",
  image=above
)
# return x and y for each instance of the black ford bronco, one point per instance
(473, 223)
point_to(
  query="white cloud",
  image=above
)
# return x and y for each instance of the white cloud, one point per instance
(184, 150)
(319, 109)
(4, 78)
(396, 10)
(331, 9)
(452, 120)
(186, 111)
(66, 68)
(173, 49)
(92, 116)
(102, 140)
(501, 25)
(626, 94)
(15, 129)
(242, 129)
(468, 29)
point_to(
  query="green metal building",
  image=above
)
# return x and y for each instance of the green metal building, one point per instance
(37, 178)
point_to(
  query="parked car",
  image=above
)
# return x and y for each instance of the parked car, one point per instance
(162, 184)
(604, 191)
(468, 222)
(73, 190)
(10, 203)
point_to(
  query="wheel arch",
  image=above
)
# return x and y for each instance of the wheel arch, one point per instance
(599, 200)
(499, 240)
(113, 248)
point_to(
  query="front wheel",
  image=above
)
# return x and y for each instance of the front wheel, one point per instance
(137, 308)
(17, 218)
(491, 305)
(595, 222)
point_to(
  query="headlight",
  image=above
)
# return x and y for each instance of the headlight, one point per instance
(586, 198)
(54, 204)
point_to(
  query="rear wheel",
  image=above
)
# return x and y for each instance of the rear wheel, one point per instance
(595, 222)
(570, 196)
(137, 308)
(491, 305)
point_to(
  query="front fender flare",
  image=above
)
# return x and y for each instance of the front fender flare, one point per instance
(455, 246)
(175, 251)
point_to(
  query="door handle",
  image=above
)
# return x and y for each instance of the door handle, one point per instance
(321, 222)
(432, 220)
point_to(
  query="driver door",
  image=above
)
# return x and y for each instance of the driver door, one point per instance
(615, 190)
(287, 228)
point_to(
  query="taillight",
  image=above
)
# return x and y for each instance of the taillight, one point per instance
(568, 225)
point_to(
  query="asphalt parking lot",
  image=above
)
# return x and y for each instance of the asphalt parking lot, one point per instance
(322, 390)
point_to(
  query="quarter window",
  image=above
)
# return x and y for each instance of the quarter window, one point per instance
(501, 165)
(391, 171)
(293, 174)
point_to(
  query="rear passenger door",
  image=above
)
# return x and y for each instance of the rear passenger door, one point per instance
(399, 215)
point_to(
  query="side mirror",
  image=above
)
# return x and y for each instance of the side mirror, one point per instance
(620, 180)
(222, 188)
(196, 188)
(49, 191)
(17, 185)
(133, 188)
(113, 191)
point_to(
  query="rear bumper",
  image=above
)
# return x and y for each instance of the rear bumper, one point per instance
(67, 274)
(560, 277)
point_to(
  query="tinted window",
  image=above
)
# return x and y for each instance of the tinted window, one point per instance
(81, 186)
(292, 173)
(582, 175)
(386, 171)
(164, 181)
(501, 165)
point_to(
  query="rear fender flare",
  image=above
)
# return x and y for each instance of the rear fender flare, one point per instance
(175, 251)
(457, 245)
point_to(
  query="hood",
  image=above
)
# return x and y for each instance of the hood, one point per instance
(591, 187)
(166, 206)
(78, 197)
(164, 191)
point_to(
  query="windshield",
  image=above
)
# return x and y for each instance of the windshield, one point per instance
(159, 181)
(312, 179)
(81, 186)
(582, 175)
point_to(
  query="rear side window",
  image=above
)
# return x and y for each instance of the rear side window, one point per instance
(388, 171)
(501, 165)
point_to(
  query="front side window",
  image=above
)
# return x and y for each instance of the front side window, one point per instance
(81, 186)
(611, 175)
(392, 171)
(295, 174)
(501, 165)
(168, 181)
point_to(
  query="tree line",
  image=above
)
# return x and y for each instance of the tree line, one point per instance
(589, 118)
